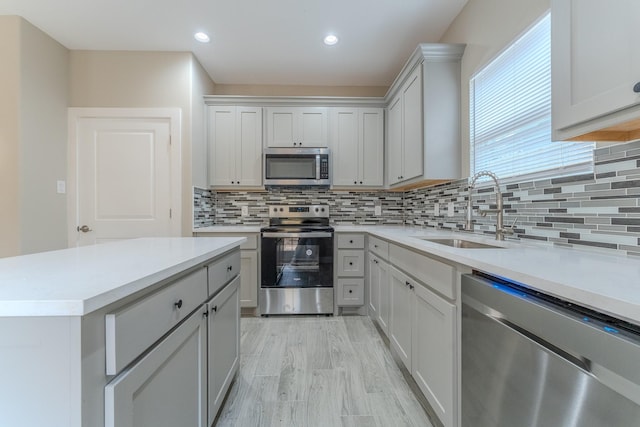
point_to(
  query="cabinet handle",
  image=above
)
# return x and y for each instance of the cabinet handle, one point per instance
(205, 314)
(360, 182)
(350, 263)
(636, 87)
(230, 268)
(350, 291)
(411, 287)
(407, 283)
(355, 182)
(350, 241)
(178, 304)
(214, 309)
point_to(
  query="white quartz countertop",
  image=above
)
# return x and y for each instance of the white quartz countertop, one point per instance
(77, 281)
(606, 283)
(229, 229)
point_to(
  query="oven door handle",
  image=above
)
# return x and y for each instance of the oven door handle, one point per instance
(310, 234)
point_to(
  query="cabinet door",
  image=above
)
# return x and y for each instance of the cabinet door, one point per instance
(374, 287)
(371, 147)
(412, 134)
(249, 279)
(595, 60)
(400, 335)
(248, 146)
(312, 127)
(223, 344)
(281, 126)
(385, 297)
(167, 387)
(221, 141)
(344, 146)
(434, 354)
(394, 141)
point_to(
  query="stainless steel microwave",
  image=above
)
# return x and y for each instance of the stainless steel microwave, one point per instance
(296, 167)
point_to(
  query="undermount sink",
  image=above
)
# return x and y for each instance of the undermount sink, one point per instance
(460, 243)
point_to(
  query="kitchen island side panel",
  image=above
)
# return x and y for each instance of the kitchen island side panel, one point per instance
(40, 367)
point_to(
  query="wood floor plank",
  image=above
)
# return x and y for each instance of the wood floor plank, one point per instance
(318, 372)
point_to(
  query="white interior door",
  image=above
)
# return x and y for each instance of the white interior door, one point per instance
(125, 179)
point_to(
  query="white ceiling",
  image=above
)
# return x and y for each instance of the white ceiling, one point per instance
(254, 41)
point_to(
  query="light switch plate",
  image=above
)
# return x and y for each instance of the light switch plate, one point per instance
(450, 209)
(377, 210)
(245, 210)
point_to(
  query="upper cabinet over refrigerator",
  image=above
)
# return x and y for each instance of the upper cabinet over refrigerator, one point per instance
(595, 63)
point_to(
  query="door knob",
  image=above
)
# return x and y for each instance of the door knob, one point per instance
(84, 229)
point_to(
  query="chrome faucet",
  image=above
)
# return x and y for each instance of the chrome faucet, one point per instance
(499, 210)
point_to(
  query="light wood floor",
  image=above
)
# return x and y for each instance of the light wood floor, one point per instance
(318, 372)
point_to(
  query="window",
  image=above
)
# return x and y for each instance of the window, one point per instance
(510, 114)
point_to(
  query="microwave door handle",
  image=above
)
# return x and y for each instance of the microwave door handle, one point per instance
(317, 166)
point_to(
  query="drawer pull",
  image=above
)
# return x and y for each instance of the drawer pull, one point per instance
(230, 268)
(350, 241)
(350, 291)
(350, 263)
(178, 304)
(407, 284)
(214, 309)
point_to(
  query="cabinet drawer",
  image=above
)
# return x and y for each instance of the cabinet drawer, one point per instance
(134, 328)
(435, 274)
(223, 270)
(379, 247)
(350, 292)
(350, 241)
(350, 263)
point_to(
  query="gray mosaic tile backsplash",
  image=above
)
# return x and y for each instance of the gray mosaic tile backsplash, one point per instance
(599, 211)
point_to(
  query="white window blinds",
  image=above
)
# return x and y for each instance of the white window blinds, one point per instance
(510, 112)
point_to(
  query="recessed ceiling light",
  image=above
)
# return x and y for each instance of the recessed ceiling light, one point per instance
(330, 40)
(201, 37)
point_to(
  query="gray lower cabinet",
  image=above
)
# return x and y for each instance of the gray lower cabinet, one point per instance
(423, 327)
(350, 270)
(223, 314)
(167, 387)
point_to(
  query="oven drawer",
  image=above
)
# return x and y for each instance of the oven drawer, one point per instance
(350, 263)
(350, 292)
(350, 241)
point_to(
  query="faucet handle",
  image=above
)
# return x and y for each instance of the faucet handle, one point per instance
(510, 230)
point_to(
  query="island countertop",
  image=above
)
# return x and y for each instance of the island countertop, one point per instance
(77, 281)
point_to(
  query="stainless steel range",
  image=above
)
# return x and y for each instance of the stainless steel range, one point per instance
(297, 261)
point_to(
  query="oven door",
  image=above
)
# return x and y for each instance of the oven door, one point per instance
(297, 260)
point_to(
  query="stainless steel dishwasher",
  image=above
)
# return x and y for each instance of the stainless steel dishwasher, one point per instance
(529, 359)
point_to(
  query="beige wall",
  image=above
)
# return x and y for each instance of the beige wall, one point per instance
(9, 136)
(201, 84)
(33, 139)
(487, 27)
(43, 143)
(139, 80)
(278, 90)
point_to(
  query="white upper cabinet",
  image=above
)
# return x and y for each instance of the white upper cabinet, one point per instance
(235, 146)
(595, 64)
(423, 118)
(297, 127)
(357, 146)
(407, 145)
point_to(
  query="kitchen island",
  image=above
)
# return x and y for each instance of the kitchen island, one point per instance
(117, 334)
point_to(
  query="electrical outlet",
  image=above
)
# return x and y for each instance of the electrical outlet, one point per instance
(377, 210)
(436, 209)
(450, 209)
(245, 210)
